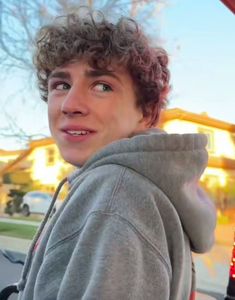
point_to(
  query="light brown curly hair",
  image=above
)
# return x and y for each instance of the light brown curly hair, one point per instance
(88, 35)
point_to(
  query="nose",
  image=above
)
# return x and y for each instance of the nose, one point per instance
(75, 102)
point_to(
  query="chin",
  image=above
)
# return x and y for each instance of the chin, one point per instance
(76, 157)
(75, 162)
(73, 159)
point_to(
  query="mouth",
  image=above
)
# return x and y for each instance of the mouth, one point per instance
(77, 132)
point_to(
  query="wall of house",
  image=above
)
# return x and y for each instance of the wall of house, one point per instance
(48, 168)
(221, 143)
(219, 182)
(224, 144)
(5, 158)
(46, 164)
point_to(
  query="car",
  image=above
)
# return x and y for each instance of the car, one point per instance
(37, 202)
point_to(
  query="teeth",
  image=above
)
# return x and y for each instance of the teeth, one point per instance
(79, 132)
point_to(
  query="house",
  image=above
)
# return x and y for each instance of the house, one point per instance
(7, 156)
(41, 167)
(219, 177)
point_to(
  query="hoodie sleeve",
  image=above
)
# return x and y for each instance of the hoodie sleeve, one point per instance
(112, 261)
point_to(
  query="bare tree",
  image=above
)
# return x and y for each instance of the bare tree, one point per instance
(14, 131)
(19, 21)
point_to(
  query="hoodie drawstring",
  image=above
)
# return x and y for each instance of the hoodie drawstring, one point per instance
(29, 258)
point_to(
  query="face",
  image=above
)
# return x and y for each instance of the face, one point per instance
(88, 109)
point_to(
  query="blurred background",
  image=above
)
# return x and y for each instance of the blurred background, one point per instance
(199, 37)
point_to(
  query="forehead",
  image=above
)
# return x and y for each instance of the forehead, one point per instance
(84, 68)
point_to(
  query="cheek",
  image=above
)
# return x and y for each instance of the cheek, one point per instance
(52, 113)
(106, 114)
(53, 108)
(122, 117)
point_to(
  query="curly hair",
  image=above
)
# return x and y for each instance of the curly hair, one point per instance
(91, 37)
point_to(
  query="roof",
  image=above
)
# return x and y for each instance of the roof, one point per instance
(41, 142)
(202, 119)
(10, 152)
(221, 162)
(11, 164)
(24, 153)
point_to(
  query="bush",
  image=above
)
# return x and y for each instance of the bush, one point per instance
(13, 205)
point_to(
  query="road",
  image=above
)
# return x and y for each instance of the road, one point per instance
(9, 273)
(213, 268)
(212, 271)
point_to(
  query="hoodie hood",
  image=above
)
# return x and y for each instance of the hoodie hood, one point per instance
(174, 163)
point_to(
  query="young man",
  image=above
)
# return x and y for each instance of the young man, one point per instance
(134, 211)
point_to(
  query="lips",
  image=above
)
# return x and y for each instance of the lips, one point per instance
(77, 133)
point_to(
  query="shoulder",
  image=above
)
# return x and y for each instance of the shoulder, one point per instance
(114, 194)
(118, 188)
(135, 199)
(113, 174)
(113, 182)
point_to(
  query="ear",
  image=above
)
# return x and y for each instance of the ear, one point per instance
(152, 115)
(145, 122)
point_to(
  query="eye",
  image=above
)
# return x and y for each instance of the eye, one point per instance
(61, 86)
(58, 85)
(102, 87)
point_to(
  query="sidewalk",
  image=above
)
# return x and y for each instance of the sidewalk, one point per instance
(200, 296)
(14, 244)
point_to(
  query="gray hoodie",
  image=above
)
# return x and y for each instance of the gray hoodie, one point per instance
(127, 227)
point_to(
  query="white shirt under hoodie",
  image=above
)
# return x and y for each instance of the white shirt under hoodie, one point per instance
(126, 230)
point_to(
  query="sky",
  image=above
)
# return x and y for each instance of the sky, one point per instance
(199, 37)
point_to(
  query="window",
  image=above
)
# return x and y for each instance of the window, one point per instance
(50, 156)
(210, 137)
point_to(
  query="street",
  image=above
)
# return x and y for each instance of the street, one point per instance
(212, 270)
(10, 273)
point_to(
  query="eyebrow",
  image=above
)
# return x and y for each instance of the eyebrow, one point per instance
(93, 73)
(59, 74)
(98, 73)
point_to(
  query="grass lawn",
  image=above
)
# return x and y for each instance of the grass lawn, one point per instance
(35, 218)
(17, 230)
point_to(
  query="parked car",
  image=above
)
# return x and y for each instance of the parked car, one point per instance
(37, 202)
